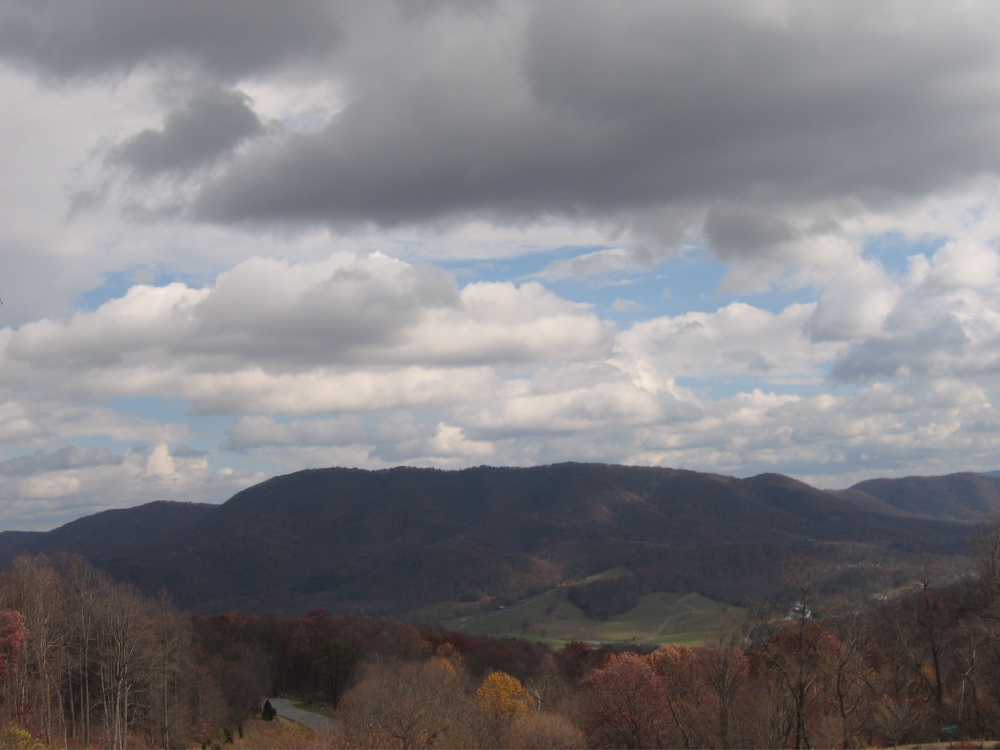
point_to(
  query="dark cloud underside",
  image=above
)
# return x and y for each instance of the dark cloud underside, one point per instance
(88, 37)
(605, 109)
(212, 124)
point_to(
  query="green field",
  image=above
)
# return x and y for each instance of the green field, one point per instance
(659, 619)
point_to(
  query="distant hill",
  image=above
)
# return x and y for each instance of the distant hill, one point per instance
(955, 497)
(110, 532)
(12, 542)
(393, 540)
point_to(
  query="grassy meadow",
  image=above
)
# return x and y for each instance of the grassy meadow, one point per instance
(550, 617)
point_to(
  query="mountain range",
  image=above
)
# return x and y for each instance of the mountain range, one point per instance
(394, 540)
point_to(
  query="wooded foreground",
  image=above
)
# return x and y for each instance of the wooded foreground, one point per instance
(87, 662)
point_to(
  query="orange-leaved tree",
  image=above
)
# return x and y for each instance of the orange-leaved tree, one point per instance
(624, 705)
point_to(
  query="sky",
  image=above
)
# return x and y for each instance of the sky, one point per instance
(239, 240)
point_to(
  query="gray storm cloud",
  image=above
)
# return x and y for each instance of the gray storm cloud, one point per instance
(512, 112)
(95, 37)
(617, 110)
(212, 124)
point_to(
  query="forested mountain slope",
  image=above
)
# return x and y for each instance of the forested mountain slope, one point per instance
(958, 497)
(110, 531)
(388, 541)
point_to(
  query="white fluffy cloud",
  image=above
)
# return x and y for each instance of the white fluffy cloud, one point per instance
(78, 481)
(736, 341)
(373, 361)
(348, 333)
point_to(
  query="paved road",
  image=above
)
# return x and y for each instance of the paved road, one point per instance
(316, 722)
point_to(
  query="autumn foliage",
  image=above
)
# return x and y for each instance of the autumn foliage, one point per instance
(85, 661)
(503, 696)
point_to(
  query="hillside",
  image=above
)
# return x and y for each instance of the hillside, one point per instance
(393, 540)
(955, 497)
(111, 531)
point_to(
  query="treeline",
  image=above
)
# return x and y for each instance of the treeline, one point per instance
(395, 684)
(88, 662)
(922, 667)
(85, 661)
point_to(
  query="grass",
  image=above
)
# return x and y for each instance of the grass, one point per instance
(278, 734)
(661, 618)
(658, 619)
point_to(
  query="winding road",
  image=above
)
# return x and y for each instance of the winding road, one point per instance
(317, 722)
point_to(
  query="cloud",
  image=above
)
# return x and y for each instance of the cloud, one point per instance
(581, 399)
(378, 233)
(736, 341)
(380, 362)
(298, 338)
(182, 451)
(608, 111)
(17, 425)
(94, 37)
(964, 265)
(51, 486)
(212, 124)
(67, 457)
(626, 305)
(29, 421)
(263, 430)
(665, 123)
(79, 481)
(944, 323)
(45, 489)
(735, 231)
(920, 352)
(446, 446)
(855, 303)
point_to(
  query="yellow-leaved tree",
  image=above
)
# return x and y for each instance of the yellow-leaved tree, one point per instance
(504, 696)
(501, 698)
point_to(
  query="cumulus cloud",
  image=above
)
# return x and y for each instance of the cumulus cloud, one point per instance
(46, 489)
(29, 421)
(930, 350)
(735, 231)
(944, 323)
(301, 338)
(17, 425)
(855, 303)
(737, 340)
(379, 362)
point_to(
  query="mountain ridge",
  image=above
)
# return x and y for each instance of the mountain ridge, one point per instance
(391, 540)
(963, 496)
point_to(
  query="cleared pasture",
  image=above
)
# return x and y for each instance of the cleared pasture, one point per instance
(659, 618)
